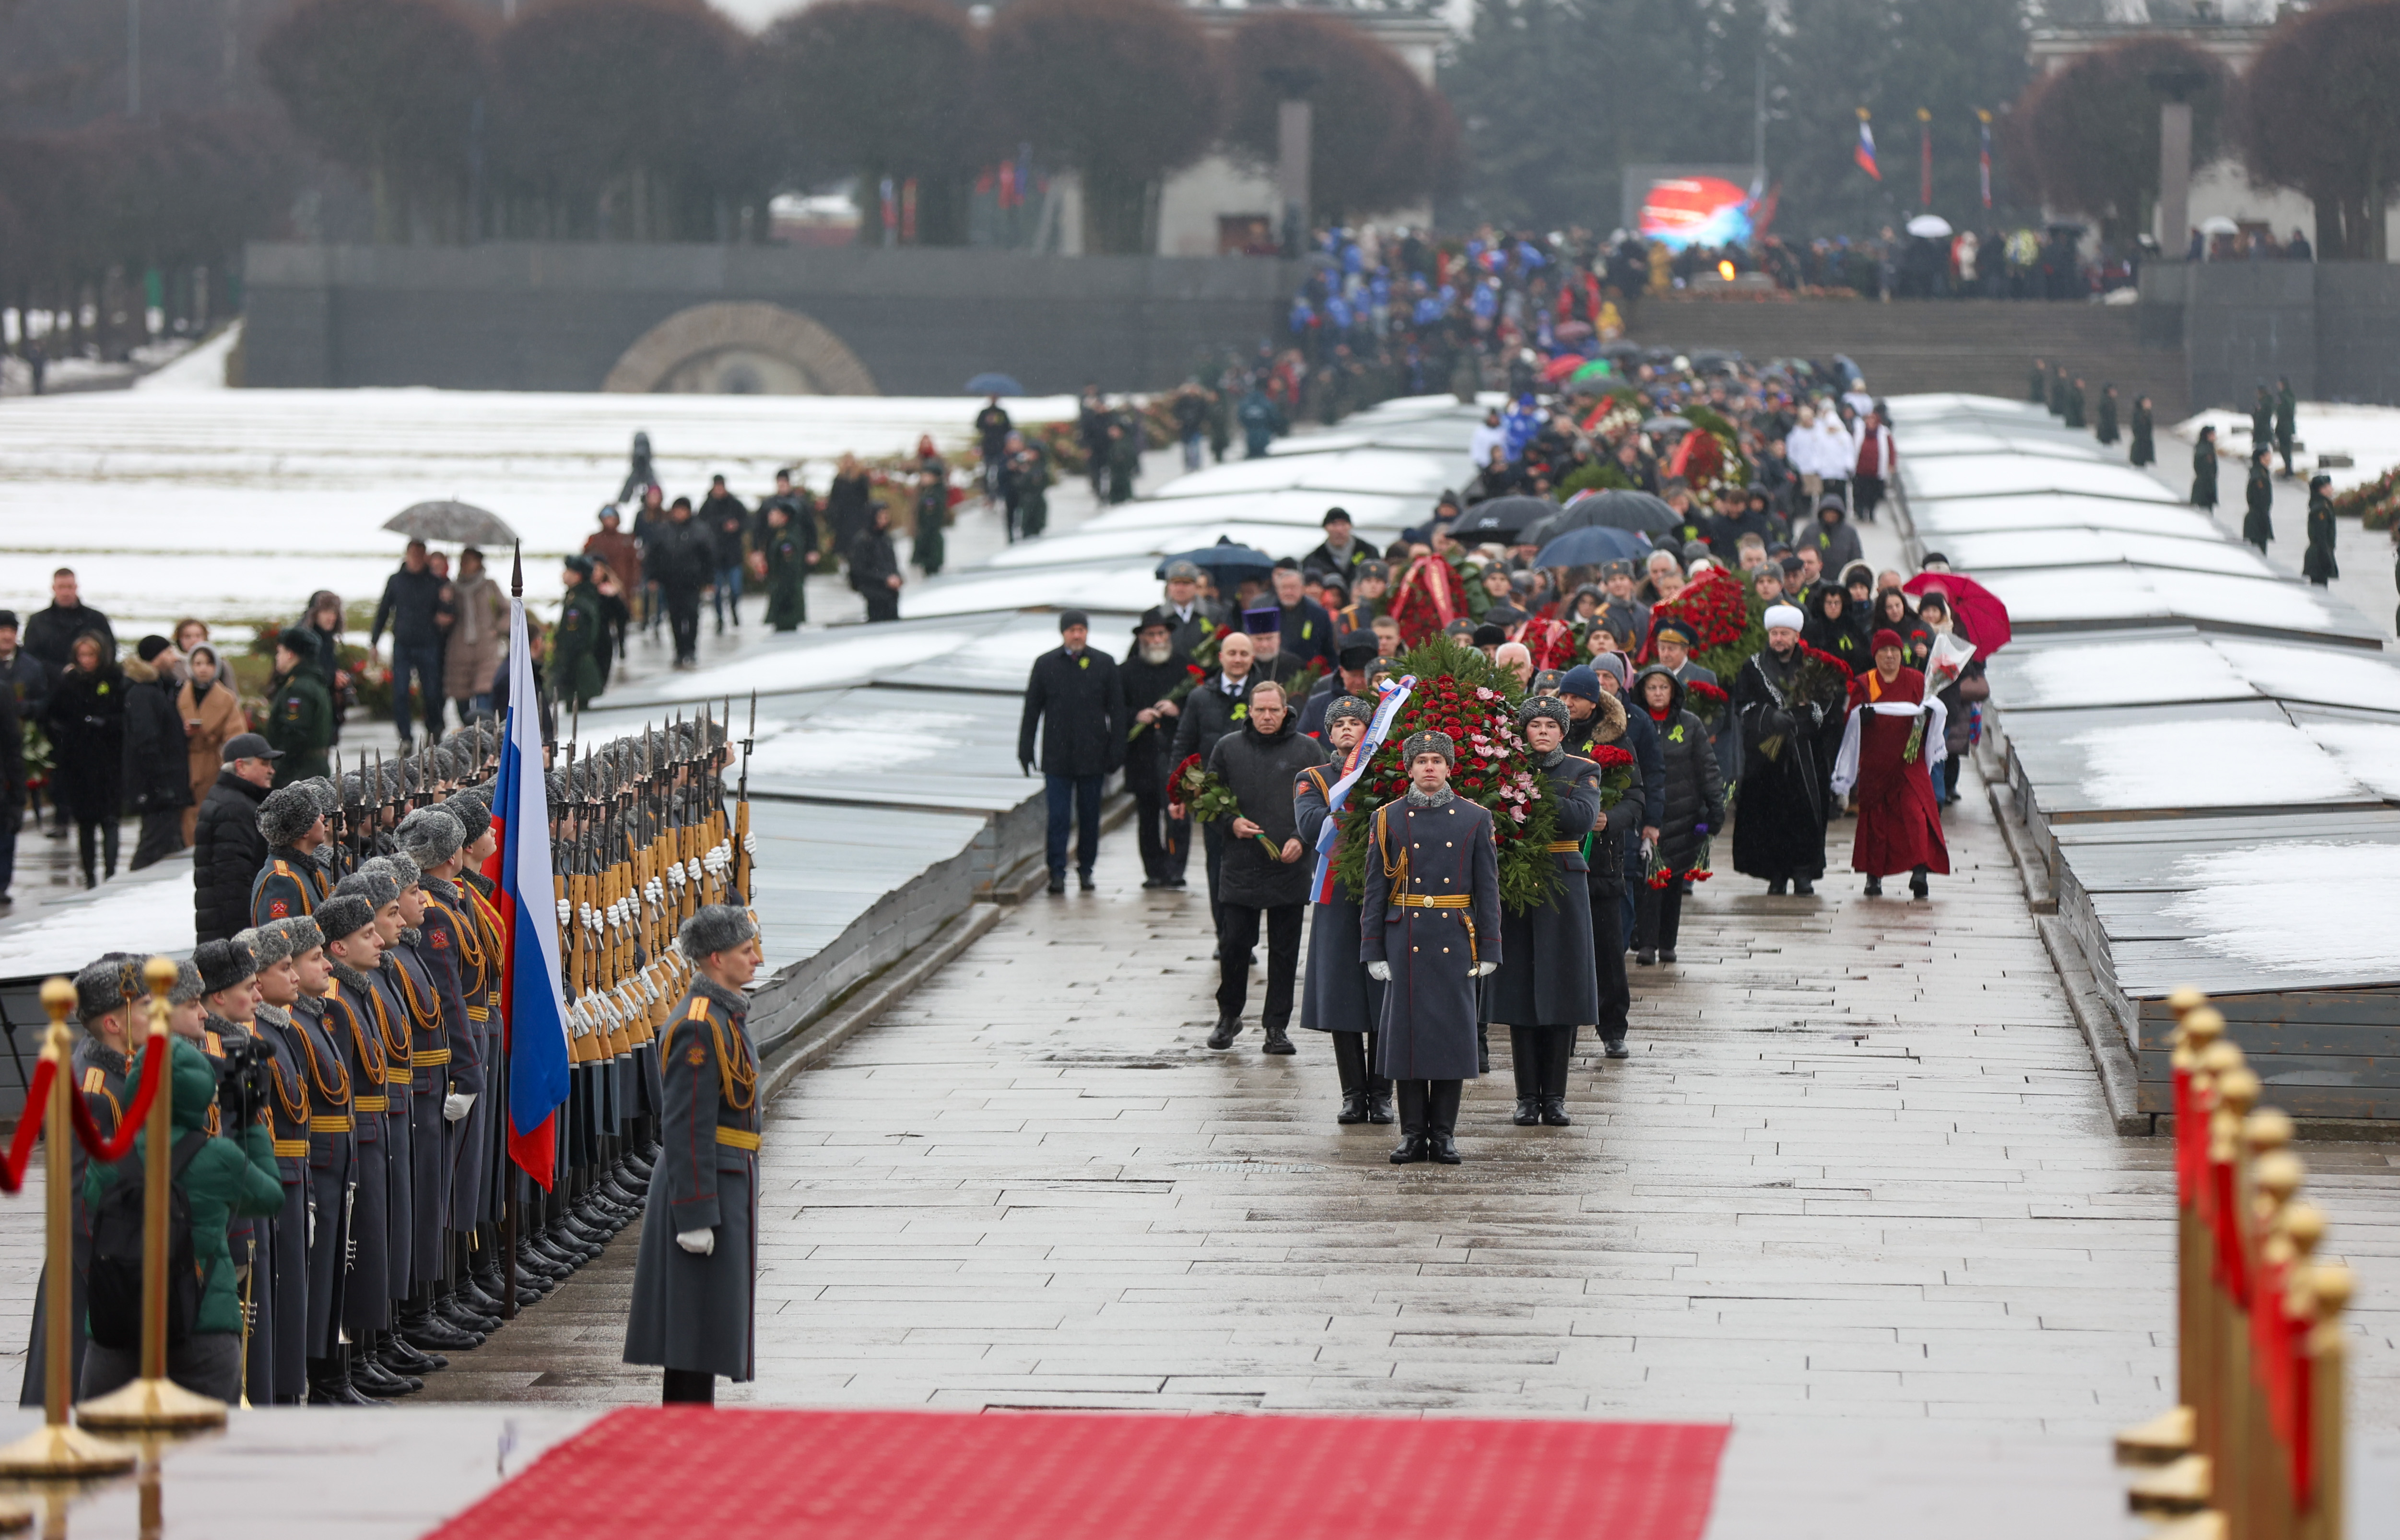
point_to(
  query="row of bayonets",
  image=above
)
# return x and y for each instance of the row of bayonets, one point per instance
(639, 839)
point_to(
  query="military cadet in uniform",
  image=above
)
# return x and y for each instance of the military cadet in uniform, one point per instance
(1429, 929)
(284, 1256)
(391, 1029)
(357, 1017)
(292, 883)
(1338, 997)
(322, 1020)
(449, 1055)
(575, 644)
(1549, 987)
(299, 712)
(107, 993)
(695, 1279)
(785, 565)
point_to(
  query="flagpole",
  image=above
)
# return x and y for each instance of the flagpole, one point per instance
(508, 1164)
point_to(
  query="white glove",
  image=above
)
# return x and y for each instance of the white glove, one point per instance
(457, 1105)
(700, 1242)
(1380, 971)
(1483, 968)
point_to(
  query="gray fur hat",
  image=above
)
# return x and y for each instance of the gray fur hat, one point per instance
(107, 983)
(286, 814)
(1545, 705)
(1345, 706)
(473, 811)
(343, 915)
(188, 984)
(1429, 743)
(222, 966)
(714, 928)
(403, 868)
(298, 935)
(322, 792)
(430, 835)
(269, 945)
(373, 882)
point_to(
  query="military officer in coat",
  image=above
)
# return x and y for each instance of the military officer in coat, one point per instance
(292, 883)
(1551, 984)
(1429, 928)
(695, 1279)
(1338, 997)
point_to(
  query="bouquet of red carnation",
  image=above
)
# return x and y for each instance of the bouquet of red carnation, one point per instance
(1616, 772)
(1703, 697)
(1712, 607)
(1207, 798)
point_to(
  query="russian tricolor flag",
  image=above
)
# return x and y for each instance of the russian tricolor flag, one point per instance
(1864, 154)
(531, 1008)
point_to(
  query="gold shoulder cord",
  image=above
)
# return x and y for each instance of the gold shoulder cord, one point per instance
(336, 1096)
(296, 1106)
(427, 1017)
(738, 1082)
(370, 1055)
(398, 1052)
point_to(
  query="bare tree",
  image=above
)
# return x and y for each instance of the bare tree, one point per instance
(1378, 139)
(2317, 112)
(2092, 129)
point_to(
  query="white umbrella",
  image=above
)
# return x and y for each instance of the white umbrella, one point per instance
(1931, 226)
(2218, 224)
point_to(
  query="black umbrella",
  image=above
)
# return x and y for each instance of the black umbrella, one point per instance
(1226, 562)
(1502, 519)
(451, 524)
(1615, 509)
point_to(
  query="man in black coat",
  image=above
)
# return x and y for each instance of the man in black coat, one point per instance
(50, 635)
(875, 567)
(727, 521)
(1259, 765)
(1359, 649)
(1074, 698)
(1341, 552)
(227, 849)
(1308, 631)
(1195, 618)
(681, 556)
(413, 607)
(1217, 706)
(158, 767)
(1152, 672)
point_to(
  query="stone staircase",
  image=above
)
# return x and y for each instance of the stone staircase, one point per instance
(1986, 347)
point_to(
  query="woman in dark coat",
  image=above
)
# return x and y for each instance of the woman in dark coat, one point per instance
(1833, 628)
(2258, 496)
(1695, 810)
(1781, 835)
(86, 727)
(846, 502)
(2318, 567)
(875, 567)
(2204, 470)
(1549, 983)
(1338, 997)
(2143, 449)
(1892, 613)
(928, 551)
(2105, 430)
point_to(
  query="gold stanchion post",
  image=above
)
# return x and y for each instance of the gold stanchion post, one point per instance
(60, 1447)
(154, 1401)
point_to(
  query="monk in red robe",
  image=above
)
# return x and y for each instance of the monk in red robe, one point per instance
(1900, 823)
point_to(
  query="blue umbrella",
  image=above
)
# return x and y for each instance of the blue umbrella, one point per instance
(1592, 545)
(994, 385)
(1226, 562)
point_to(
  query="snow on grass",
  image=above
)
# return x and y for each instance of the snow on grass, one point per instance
(2230, 762)
(2369, 435)
(2310, 906)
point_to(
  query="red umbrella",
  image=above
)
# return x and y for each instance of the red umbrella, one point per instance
(1561, 367)
(1978, 608)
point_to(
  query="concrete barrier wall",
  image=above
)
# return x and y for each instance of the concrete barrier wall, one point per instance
(535, 316)
(2332, 327)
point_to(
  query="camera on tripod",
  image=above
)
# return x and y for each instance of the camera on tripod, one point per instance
(243, 1083)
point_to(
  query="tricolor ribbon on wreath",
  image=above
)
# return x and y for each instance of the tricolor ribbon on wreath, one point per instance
(1395, 695)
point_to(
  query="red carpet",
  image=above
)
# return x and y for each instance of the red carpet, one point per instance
(1041, 1475)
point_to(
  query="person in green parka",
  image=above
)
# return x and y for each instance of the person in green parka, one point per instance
(1029, 471)
(220, 1181)
(574, 669)
(2258, 518)
(2318, 567)
(1125, 456)
(785, 562)
(2058, 391)
(299, 713)
(2074, 405)
(2204, 470)
(2038, 391)
(2262, 419)
(933, 515)
(2104, 428)
(2143, 449)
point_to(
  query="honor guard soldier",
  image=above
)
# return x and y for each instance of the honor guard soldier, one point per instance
(1339, 997)
(1429, 929)
(695, 1279)
(380, 883)
(1549, 987)
(451, 949)
(283, 1256)
(320, 1031)
(360, 1018)
(291, 883)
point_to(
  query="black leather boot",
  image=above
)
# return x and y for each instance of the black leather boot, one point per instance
(329, 1385)
(1413, 1123)
(1554, 1112)
(1278, 1041)
(372, 1379)
(1525, 1066)
(1226, 1032)
(395, 1352)
(1441, 1120)
(432, 1334)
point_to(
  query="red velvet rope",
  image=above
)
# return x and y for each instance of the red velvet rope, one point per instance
(110, 1151)
(29, 1127)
